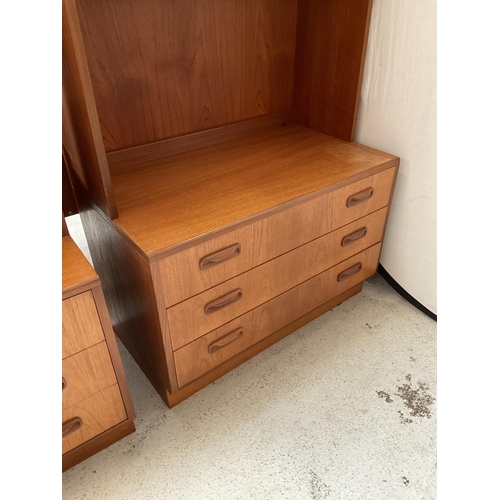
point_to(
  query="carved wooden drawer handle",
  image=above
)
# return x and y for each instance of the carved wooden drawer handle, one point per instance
(219, 257)
(350, 272)
(64, 384)
(71, 426)
(360, 197)
(357, 235)
(223, 301)
(226, 340)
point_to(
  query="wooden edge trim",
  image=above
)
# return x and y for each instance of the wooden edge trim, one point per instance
(165, 331)
(109, 335)
(96, 444)
(389, 204)
(81, 287)
(197, 140)
(219, 371)
(179, 247)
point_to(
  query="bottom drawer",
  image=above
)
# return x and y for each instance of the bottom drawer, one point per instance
(209, 351)
(91, 417)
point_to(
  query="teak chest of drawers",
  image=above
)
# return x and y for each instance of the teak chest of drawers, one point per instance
(201, 302)
(96, 405)
(209, 145)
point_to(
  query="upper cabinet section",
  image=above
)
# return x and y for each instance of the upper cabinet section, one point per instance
(146, 78)
(161, 69)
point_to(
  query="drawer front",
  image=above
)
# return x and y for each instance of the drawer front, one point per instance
(91, 417)
(81, 327)
(86, 373)
(199, 268)
(210, 309)
(209, 351)
(362, 197)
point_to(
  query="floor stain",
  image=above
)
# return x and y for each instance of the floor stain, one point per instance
(413, 359)
(319, 490)
(383, 394)
(369, 326)
(416, 400)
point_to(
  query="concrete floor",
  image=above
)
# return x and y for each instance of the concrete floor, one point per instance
(343, 408)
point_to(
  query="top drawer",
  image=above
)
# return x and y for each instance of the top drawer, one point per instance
(81, 327)
(198, 268)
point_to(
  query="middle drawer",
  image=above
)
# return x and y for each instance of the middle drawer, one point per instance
(208, 310)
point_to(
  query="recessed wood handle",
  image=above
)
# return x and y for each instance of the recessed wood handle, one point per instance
(350, 272)
(71, 426)
(219, 257)
(360, 197)
(224, 341)
(357, 235)
(224, 301)
(64, 384)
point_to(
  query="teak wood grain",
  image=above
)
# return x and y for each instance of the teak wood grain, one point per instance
(98, 413)
(173, 399)
(97, 443)
(84, 149)
(331, 47)
(162, 69)
(86, 373)
(224, 185)
(81, 327)
(267, 238)
(195, 359)
(197, 140)
(189, 320)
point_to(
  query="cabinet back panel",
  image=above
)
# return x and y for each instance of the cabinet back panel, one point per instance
(163, 68)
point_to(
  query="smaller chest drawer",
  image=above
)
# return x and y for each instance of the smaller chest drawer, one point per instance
(91, 417)
(203, 266)
(216, 347)
(86, 373)
(208, 310)
(81, 326)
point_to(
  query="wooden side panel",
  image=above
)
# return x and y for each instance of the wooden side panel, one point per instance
(166, 68)
(82, 139)
(331, 46)
(128, 288)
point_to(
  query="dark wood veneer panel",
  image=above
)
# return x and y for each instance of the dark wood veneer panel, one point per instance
(128, 288)
(162, 68)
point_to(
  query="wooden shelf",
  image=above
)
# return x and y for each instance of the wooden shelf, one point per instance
(175, 202)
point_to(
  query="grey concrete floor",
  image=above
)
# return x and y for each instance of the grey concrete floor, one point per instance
(343, 408)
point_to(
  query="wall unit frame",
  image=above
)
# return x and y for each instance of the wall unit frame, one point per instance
(209, 144)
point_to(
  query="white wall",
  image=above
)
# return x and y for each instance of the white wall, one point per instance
(397, 114)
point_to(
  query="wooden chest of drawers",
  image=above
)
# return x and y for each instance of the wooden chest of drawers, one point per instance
(222, 198)
(96, 405)
(192, 304)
